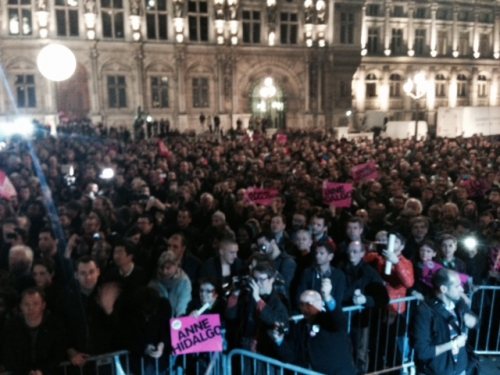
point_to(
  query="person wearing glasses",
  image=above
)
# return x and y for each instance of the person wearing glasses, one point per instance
(210, 292)
(254, 309)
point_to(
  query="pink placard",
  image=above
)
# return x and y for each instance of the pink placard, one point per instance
(430, 268)
(476, 188)
(261, 196)
(7, 189)
(191, 335)
(365, 172)
(281, 138)
(337, 194)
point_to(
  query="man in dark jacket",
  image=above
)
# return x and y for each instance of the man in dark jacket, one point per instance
(438, 328)
(34, 343)
(225, 265)
(364, 287)
(256, 311)
(320, 340)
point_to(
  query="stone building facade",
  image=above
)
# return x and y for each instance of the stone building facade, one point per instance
(289, 61)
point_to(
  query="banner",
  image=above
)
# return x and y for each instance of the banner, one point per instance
(430, 268)
(196, 335)
(476, 188)
(162, 149)
(261, 196)
(340, 195)
(365, 172)
(7, 190)
(281, 139)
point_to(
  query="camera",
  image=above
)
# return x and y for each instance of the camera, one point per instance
(281, 329)
(242, 282)
(380, 247)
(11, 236)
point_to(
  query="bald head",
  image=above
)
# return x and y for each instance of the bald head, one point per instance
(310, 303)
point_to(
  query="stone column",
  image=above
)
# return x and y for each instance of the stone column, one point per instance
(473, 87)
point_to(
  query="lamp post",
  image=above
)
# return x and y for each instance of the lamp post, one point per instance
(267, 92)
(416, 88)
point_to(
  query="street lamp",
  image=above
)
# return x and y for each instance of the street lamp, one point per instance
(416, 89)
(267, 92)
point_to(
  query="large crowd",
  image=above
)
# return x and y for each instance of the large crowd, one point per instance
(91, 263)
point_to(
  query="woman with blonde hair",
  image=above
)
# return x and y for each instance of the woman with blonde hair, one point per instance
(172, 283)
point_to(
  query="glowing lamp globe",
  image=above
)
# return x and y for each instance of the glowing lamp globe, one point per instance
(56, 62)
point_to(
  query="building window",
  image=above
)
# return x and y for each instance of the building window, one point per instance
(443, 14)
(67, 17)
(373, 10)
(398, 11)
(159, 92)
(395, 86)
(198, 20)
(419, 45)
(251, 27)
(345, 89)
(289, 25)
(371, 86)
(421, 13)
(25, 91)
(156, 19)
(201, 93)
(442, 43)
(112, 18)
(461, 86)
(440, 82)
(484, 18)
(397, 41)
(117, 92)
(347, 27)
(463, 16)
(463, 44)
(372, 43)
(20, 17)
(481, 86)
(484, 45)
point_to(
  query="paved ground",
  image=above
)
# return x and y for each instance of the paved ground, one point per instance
(490, 365)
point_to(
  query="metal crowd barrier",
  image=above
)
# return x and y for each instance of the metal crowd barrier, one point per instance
(385, 332)
(116, 363)
(243, 362)
(485, 303)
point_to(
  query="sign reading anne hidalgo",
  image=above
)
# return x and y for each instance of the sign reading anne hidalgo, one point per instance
(337, 194)
(191, 335)
(365, 172)
(261, 196)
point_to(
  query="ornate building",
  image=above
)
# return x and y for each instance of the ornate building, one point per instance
(455, 43)
(290, 61)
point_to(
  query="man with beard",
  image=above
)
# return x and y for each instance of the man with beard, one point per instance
(438, 328)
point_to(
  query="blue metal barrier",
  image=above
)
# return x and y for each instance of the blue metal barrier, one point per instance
(485, 303)
(116, 363)
(257, 364)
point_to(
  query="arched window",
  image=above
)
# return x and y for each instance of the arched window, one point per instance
(482, 82)
(395, 86)
(371, 85)
(440, 83)
(461, 86)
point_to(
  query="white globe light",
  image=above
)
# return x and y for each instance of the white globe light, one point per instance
(56, 62)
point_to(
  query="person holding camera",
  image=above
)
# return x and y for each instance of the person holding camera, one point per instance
(254, 309)
(320, 340)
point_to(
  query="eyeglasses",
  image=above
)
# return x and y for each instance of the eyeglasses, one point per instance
(207, 290)
(260, 279)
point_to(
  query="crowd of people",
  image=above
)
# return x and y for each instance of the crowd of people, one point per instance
(91, 263)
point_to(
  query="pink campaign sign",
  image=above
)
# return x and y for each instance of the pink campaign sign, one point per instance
(191, 335)
(365, 172)
(430, 268)
(261, 196)
(340, 195)
(281, 138)
(476, 188)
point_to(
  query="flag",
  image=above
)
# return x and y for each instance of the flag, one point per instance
(162, 149)
(7, 190)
